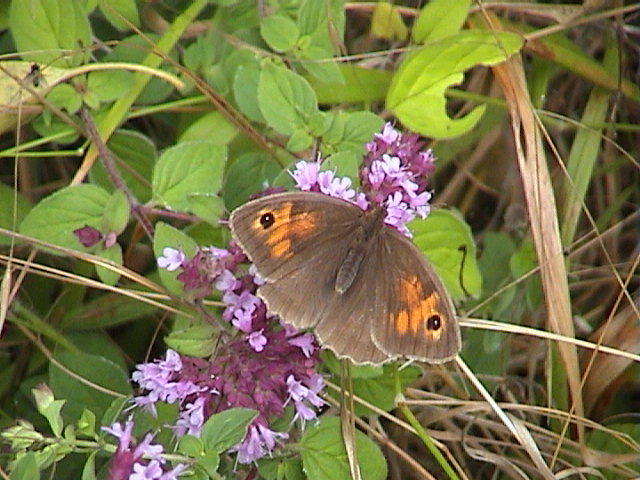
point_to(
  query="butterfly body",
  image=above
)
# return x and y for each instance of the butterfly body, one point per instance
(365, 289)
(364, 234)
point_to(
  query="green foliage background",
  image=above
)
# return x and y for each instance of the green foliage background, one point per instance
(204, 103)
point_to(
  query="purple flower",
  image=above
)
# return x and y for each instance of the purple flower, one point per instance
(110, 239)
(259, 441)
(306, 343)
(140, 462)
(394, 174)
(303, 395)
(192, 417)
(150, 471)
(257, 340)
(226, 281)
(335, 187)
(306, 175)
(88, 236)
(389, 134)
(174, 473)
(161, 379)
(171, 259)
(309, 178)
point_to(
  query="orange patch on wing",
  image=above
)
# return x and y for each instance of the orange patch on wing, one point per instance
(401, 322)
(416, 309)
(282, 249)
(281, 235)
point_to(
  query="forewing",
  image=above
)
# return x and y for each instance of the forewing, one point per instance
(298, 254)
(303, 230)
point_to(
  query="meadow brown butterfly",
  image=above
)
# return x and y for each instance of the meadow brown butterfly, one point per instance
(361, 285)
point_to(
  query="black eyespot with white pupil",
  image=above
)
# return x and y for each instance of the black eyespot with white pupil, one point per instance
(434, 322)
(267, 220)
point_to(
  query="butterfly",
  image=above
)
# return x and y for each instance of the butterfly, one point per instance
(363, 287)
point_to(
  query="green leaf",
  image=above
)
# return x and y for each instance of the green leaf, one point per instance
(196, 341)
(417, 93)
(245, 91)
(190, 445)
(357, 371)
(201, 129)
(188, 169)
(614, 442)
(439, 19)
(497, 249)
(14, 211)
(89, 468)
(381, 391)
(280, 32)
(286, 99)
(116, 215)
(357, 84)
(134, 49)
(56, 217)
(117, 11)
(113, 254)
(167, 236)
(523, 261)
(65, 97)
(49, 126)
(136, 156)
(105, 311)
(81, 371)
(443, 236)
(359, 128)
(208, 207)
(209, 462)
(99, 343)
(49, 408)
(226, 429)
(115, 411)
(376, 384)
(387, 23)
(25, 468)
(319, 63)
(323, 22)
(248, 174)
(281, 469)
(300, 140)
(51, 27)
(344, 164)
(324, 456)
(90, 98)
(109, 85)
(15, 98)
(87, 423)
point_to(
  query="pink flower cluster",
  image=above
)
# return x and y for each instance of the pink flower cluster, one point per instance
(393, 174)
(140, 462)
(265, 366)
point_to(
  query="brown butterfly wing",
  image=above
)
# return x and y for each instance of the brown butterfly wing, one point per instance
(414, 315)
(297, 250)
(285, 232)
(341, 321)
(346, 326)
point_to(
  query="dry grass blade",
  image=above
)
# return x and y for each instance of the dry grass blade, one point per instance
(603, 369)
(543, 219)
(515, 427)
